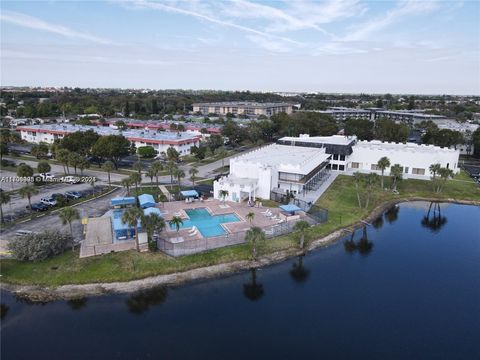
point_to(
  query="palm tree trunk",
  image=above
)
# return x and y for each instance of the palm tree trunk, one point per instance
(137, 244)
(302, 240)
(381, 180)
(109, 184)
(1, 214)
(30, 203)
(358, 197)
(157, 179)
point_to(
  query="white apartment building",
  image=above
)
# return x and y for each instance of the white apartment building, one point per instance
(249, 108)
(280, 167)
(300, 164)
(160, 141)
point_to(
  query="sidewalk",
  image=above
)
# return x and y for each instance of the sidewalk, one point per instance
(313, 196)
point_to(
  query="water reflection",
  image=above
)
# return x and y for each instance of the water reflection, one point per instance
(77, 304)
(3, 311)
(142, 300)
(378, 222)
(298, 272)
(391, 215)
(434, 220)
(363, 246)
(253, 291)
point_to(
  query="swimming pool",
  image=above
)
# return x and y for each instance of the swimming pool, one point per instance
(207, 224)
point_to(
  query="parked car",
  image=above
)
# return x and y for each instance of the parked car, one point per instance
(73, 195)
(38, 207)
(23, 232)
(71, 179)
(49, 201)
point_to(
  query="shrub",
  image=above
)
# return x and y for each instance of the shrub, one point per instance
(146, 151)
(41, 246)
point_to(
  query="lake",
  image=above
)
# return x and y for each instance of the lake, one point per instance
(408, 287)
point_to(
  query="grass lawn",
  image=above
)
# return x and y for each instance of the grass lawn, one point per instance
(340, 199)
(152, 190)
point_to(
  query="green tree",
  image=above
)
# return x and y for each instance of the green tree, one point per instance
(74, 160)
(253, 236)
(172, 167)
(358, 177)
(4, 199)
(223, 194)
(434, 168)
(108, 166)
(396, 172)
(120, 124)
(39, 151)
(83, 164)
(172, 154)
(444, 174)
(126, 183)
(38, 247)
(151, 174)
(131, 216)
(301, 226)
(152, 223)
(3, 149)
(24, 170)
(43, 167)
(68, 215)
(146, 151)
(362, 128)
(62, 155)
(136, 179)
(193, 174)
(177, 222)
(138, 166)
(80, 142)
(156, 167)
(250, 216)
(371, 180)
(179, 174)
(112, 147)
(383, 164)
(27, 192)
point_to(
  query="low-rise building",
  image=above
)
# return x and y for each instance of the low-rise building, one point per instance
(248, 108)
(160, 141)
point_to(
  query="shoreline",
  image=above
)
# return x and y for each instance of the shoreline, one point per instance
(37, 293)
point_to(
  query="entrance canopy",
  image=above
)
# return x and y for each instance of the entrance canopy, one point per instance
(189, 193)
(146, 201)
(290, 208)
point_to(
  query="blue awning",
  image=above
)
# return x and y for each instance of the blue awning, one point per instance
(152, 210)
(290, 208)
(189, 193)
(123, 201)
(146, 200)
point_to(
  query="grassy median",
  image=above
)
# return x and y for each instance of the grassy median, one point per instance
(340, 199)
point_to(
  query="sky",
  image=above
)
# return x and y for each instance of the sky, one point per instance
(349, 46)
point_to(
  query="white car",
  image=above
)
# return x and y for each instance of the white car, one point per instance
(71, 179)
(48, 201)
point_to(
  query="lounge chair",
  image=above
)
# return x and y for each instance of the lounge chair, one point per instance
(265, 212)
(193, 233)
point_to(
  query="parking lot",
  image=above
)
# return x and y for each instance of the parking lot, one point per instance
(51, 221)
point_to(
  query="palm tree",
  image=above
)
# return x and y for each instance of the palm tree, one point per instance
(62, 156)
(302, 227)
(223, 194)
(177, 222)
(179, 174)
(131, 217)
(171, 169)
(152, 223)
(396, 174)
(27, 192)
(162, 198)
(193, 174)
(156, 167)
(434, 169)
(136, 179)
(126, 184)
(445, 174)
(358, 180)
(67, 215)
(139, 167)
(253, 236)
(108, 166)
(250, 216)
(83, 164)
(371, 181)
(4, 199)
(150, 173)
(382, 164)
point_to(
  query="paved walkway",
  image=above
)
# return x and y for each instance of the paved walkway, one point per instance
(313, 196)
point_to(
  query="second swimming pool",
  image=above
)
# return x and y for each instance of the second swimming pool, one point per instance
(207, 224)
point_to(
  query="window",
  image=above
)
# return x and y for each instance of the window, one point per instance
(417, 171)
(342, 157)
(355, 165)
(335, 157)
(374, 167)
(341, 167)
(406, 169)
(334, 167)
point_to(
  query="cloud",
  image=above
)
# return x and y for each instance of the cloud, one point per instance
(406, 8)
(31, 22)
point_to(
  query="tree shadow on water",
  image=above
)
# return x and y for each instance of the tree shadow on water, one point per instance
(391, 215)
(298, 272)
(141, 301)
(253, 290)
(363, 246)
(77, 304)
(434, 220)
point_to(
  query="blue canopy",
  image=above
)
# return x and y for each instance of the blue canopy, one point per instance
(152, 210)
(120, 228)
(123, 201)
(189, 193)
(290, 208)
(146, 200)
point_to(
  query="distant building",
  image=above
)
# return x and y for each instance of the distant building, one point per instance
(242, 108)
(160, 141)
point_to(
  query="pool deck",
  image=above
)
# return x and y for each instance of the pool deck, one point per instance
(216, 207)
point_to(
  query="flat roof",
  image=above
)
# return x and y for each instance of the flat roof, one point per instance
(123, 201)
(146, 200)
(286, 158)
(243, 103)
(409, 146)
(334, 139)
(131, 134)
